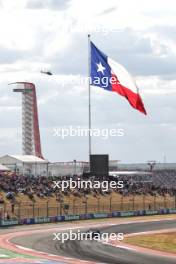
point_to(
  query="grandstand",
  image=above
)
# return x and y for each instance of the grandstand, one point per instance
(22, 196)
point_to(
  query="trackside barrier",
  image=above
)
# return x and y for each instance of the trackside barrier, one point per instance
(9, 222)
(62, 218)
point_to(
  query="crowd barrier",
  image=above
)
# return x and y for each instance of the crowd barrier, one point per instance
(62, 218)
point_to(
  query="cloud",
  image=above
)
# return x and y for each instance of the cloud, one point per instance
(108, 10)
(48, 4)
(8, 56)
(137, 51)
(40, 36)
(62, 106)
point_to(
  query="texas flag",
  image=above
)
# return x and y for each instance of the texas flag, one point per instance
(112, 76)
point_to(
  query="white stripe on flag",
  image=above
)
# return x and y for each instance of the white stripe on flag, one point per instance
(122, 75)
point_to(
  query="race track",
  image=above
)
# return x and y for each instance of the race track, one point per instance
(98, 252)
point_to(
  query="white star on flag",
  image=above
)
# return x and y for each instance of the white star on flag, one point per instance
(100, 68)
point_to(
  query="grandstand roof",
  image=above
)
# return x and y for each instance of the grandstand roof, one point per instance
(27, 158)
(3, 168)
(120, 173)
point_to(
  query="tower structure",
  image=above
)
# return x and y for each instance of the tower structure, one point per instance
(30, 125)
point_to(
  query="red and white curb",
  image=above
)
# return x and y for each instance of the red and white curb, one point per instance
(144, 250)
(5, 242)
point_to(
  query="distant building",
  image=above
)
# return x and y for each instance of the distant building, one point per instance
(3, 168)
(30, 123)
(67, 168)
(32, 165)
(146, 166)
(25, 164)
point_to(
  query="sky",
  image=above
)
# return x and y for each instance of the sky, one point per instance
(52, 35)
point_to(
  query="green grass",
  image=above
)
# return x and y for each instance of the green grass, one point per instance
(164, 242)
(7, 254)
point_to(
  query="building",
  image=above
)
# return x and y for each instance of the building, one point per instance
(147, 166)
(66, 168)
(25, 164)
(30, 124)
(3, 168)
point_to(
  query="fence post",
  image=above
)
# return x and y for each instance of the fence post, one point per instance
(133, 201)
(19, 211)
(86, 201)
(4, 211)
(33, 209)
(121, 203)
(154, 202)
(47, 208)
(74, 205)
(110, 204)
(98, 203)
(61, 201)
(57, 209)
(164, 201)
(143, 201)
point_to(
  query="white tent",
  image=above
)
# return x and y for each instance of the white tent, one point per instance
(26, 164)
(4, 168)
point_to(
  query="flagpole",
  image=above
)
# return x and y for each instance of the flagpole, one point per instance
(89, 73)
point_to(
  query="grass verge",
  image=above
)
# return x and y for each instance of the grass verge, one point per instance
(165, 242)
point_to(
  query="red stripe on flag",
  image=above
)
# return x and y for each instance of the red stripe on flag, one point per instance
(133, 98)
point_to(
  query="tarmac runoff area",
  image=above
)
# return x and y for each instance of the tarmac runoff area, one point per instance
(34, 244)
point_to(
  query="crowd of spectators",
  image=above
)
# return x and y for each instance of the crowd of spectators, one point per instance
(166, 178)
(160, 183)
